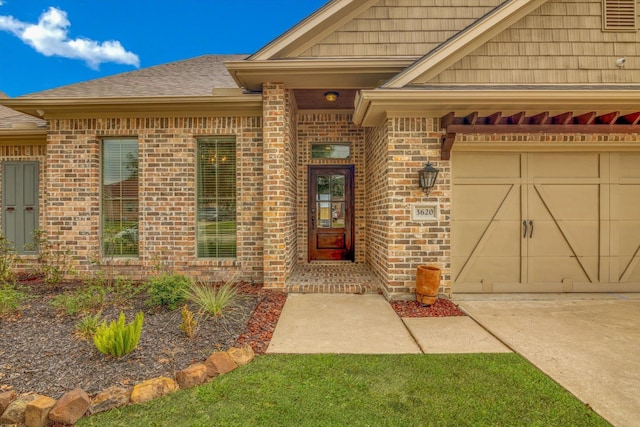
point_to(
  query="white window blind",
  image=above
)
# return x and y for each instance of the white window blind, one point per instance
(120, 197)
(216, 202)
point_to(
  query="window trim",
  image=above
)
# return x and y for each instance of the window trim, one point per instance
(103, 252)
(199, 141)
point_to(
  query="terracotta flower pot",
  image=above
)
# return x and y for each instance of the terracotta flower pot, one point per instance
(427, 284)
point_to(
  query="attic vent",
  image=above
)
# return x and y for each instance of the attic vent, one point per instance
(619, 15)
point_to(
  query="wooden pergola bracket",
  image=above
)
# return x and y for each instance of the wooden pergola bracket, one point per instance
(540, 123)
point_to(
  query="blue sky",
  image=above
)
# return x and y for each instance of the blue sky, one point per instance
(51, 43)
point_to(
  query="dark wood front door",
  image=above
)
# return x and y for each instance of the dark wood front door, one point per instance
(330, 215)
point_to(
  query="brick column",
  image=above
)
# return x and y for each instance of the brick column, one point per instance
(275, 184)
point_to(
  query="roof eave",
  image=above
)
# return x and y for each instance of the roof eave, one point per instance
(52, 107)
(25, 135)
(314, 73)
(373, 106)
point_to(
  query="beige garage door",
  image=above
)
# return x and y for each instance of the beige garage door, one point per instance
(546, 222)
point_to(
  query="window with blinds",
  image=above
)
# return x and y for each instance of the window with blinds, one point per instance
(619, 15)
(120, 197)
(216, 201)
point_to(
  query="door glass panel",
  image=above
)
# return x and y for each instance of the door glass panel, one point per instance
(324, 214)
(323, 187)
(337, 187)
(337, 214)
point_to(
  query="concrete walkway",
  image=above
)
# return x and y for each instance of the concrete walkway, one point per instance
(343, 323)
(589, 344)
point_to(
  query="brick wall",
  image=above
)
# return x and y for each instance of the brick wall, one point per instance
(291, 191)
(377, 203)
(396, 151)
(167, 170)
(330, 128)
(277, 192)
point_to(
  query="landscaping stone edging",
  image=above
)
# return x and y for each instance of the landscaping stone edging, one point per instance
(34, 410)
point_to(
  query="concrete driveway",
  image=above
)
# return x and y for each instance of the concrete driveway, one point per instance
(588, 343)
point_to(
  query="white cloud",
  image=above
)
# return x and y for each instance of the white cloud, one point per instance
(50, 37)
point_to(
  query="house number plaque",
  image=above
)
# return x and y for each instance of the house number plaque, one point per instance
(424, 212)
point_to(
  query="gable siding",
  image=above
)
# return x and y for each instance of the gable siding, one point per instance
(401, 28)
(560, 43)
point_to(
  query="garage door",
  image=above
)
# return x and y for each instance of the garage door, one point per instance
(546, 222)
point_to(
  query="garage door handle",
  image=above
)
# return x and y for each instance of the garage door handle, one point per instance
(524, 236)
(531, 232)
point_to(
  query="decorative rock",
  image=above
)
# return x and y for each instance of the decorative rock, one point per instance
(241, 356)
(6, 398)
(150, 389)
(14, 414)
(110, 398)
(71, 407)
(195, 374)
(37, 411)
(219, 363)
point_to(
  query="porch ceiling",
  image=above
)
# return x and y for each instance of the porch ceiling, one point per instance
(314, 99)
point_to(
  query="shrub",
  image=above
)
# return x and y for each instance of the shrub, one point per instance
(168, 290)
(53, 262)
(11, 298)
(87, 326)
(189, 324)
(7, 258)
(117, 338)
(85, 299)
(212, 300)
(123, 290)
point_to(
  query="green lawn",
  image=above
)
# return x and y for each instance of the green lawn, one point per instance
(361, 390)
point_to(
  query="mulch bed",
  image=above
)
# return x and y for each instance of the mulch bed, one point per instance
(40, 353)
(441, 308)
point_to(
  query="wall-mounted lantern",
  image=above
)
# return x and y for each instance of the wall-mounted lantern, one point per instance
(427, 178)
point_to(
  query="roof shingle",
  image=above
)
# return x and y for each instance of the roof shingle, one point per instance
(191, 77)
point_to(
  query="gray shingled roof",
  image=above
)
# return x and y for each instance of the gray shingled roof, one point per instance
(11, 119)
(190, 77)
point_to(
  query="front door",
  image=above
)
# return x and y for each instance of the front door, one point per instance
(330, 215)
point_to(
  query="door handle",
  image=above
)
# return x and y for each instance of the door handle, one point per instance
(531, 232)
(29, 208)
(11, 209)
(524, 235)
(313, 218)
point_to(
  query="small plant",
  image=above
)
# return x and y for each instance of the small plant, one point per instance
(123, 290)
(117, 338)
(189, 323)
(7, 258)
(53, 262)
(168, 290)
(212, 300)
(85, 299)
(11, 298)
(87, 326)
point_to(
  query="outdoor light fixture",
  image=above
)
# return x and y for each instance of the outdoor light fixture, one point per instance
(331, 96)
(427, 178)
